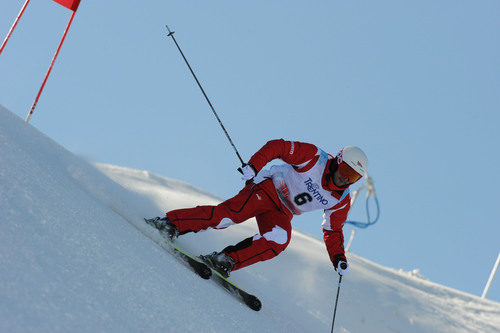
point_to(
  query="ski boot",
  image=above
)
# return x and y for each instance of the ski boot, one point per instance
(219, 261)
(165, 227)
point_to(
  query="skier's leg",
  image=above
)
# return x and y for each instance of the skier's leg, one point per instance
(251, 201)
(274, 236)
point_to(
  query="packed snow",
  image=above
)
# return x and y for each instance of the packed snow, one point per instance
(76, 256)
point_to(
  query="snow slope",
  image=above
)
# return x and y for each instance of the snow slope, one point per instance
(76, 256)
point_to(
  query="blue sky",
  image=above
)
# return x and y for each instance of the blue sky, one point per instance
(414, 84)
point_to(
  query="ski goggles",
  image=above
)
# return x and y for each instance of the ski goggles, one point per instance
(347, 172)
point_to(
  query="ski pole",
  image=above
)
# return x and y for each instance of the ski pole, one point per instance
(171, 34)
(336, 301)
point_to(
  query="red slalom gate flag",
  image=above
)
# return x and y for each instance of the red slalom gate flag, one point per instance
(70, 4)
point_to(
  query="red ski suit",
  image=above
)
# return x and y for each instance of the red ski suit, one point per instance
(305, 183)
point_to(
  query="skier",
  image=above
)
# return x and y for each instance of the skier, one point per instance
(311, 179)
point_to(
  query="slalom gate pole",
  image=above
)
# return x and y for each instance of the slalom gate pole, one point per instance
(336, 301)
(14, 26)
(171, 34)
(492, 275)
(50, 68)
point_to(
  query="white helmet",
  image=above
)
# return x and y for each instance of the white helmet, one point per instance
(355, 158)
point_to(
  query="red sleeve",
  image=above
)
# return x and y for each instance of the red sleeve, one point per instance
(291, 152)
(332, 230)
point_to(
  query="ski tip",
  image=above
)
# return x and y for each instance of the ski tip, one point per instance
(253, 303)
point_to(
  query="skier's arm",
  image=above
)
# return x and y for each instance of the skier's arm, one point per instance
(291, 152)
(332, 230)
(334, 240)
